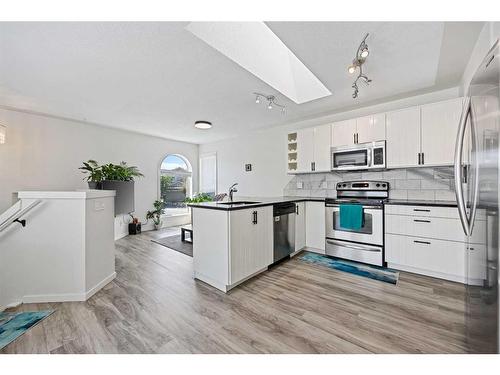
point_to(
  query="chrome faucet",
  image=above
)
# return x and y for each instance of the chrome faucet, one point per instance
(232, 190)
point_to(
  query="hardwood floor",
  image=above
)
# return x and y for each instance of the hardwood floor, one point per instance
(155, 306)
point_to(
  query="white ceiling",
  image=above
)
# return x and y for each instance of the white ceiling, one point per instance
(158, 78)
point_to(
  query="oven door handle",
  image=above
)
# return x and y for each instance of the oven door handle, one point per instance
(364, 207)
(354, 247)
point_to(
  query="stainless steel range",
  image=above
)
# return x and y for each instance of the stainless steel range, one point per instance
(365, 244)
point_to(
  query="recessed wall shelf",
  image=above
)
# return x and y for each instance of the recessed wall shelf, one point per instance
(292, 152)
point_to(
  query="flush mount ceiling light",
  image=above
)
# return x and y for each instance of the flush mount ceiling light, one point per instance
(357, 65)
(203, 125)
(270, 100)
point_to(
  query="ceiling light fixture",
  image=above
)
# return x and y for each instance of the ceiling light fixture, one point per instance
(271, 101)
(203, 125)
(357, 65)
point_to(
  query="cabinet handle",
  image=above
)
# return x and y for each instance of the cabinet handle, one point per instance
(422, 242)
(418, 162)
(423, 162)
(313, 165)
(421, 210)
(357, 137)
(354, 137)
(421, 221)
(297, 209)
(254, 221)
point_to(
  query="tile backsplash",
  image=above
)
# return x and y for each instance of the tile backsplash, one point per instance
(410, 183)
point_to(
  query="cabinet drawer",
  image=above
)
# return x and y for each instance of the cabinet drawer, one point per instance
(442, 257)
(433, 227)
(428, 211)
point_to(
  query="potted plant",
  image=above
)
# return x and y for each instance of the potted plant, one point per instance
(134, 227)
(198, 198)
(95, 174)
(155, 214)
(118, 177)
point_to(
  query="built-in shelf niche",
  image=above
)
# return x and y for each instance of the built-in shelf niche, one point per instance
(292, 152)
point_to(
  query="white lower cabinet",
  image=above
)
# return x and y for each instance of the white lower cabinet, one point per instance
(430, 241)
(315, 226)
(251, 242)
(300, 225)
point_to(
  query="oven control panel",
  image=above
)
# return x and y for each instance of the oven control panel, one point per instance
(363, 185)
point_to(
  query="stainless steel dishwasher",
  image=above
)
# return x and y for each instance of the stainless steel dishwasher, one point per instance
(284, 230)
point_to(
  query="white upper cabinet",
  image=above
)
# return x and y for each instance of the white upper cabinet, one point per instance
(313, 149)
(403, 137)
(321, 161)
(305, 149)
(439, 128)
(343, 133)
(370, 128)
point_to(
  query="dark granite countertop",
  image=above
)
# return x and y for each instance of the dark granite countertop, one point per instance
(418, 202)
(259, 202)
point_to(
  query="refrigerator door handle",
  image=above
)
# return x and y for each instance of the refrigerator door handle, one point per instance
(475, 160)
(459, 145)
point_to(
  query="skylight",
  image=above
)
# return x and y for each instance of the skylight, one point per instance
(253, 46)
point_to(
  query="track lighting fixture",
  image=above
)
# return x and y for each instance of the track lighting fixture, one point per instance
(271, 101)
(357, 65)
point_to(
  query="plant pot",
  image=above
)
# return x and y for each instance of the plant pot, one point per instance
(124, 199)
(134, 228)
(95, 185)
(158, 226)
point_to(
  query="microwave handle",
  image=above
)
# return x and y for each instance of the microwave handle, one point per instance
(369, 157)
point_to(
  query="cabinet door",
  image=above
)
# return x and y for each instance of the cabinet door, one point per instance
(439, 129)
(403, 137)
(322, 137)
(371, 128)
(476, 264)
(300, 225)
(315, 226)
(251, 242)
(343, 133)
(305, 149)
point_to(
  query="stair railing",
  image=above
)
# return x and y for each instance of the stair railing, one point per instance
(16, 216)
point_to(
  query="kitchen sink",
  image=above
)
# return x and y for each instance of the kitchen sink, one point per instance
(236, 203)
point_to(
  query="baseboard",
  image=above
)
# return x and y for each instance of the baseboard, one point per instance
(44, 298)
(69, 297)
(99, 285)
(418, 271)
(10, 305)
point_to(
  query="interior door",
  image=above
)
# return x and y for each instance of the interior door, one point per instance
(343, 133)
(439, 123)
(403, 137)
(371, 128)
(322, 137)
(305, 149)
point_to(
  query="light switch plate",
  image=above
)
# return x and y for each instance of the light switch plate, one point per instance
(300, 185)
(248, 167)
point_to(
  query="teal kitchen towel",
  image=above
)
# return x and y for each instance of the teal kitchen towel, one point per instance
(351, 216)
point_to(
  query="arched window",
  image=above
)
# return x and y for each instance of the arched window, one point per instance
(175, 183)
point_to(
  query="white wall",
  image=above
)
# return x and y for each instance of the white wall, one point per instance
(266, 149)
(488, 36)
(44, 153)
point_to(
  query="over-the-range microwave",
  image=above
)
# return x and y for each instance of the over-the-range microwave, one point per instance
(370, 155)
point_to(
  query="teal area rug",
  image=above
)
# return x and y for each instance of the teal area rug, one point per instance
(13, 325)
(386, 275)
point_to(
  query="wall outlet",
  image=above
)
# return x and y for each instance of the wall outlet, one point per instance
(300, 185)
(248, 167)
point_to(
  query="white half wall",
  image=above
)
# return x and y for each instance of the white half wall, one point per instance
(44, 153)
(266, 149)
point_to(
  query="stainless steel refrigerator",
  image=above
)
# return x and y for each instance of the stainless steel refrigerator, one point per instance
(477, 156)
